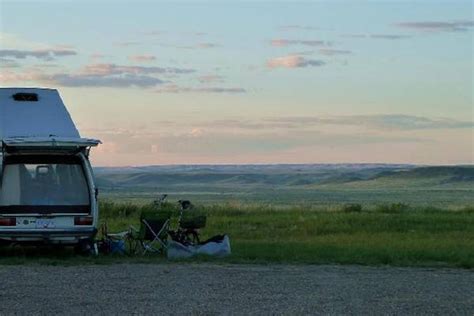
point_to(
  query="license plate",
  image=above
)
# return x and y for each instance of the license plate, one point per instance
(45, 223)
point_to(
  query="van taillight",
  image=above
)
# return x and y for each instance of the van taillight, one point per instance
(7, 221)
(83, 220)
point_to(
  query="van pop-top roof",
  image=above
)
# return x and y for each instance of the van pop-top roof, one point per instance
(37, 117)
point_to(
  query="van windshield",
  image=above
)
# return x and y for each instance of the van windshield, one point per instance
(43, 184)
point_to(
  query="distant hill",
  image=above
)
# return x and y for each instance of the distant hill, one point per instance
(453, 173)
(292, 184)
(435, 177)
(281, 175)
(365, 175)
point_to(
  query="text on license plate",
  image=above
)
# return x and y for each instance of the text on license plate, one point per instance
(45, 223)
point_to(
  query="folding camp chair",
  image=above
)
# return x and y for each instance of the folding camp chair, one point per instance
(189, 222)
(152, 234)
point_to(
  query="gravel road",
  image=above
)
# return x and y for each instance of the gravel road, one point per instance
(234, 289)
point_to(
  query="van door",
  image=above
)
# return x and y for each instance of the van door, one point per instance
(44, 184)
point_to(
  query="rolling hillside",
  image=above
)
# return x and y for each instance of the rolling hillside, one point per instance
(421, 177)
(326, 185)
(284, 176)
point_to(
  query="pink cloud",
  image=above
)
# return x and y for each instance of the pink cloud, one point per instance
(378, 36)
(114, 69)
(97, 56)
(333, 52)
(10, 76)
(142, 58)
(210, 78)
(99, 75)
(293, 61)
(177, 89)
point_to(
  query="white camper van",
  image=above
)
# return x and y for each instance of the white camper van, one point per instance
(47, 191)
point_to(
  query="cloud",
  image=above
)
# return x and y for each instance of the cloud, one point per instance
(293, 61)
(114, 69)
(353, 35)
(8, 63)
(97, 56)
(305, 52)
(437, 26)
(99, 75)
(274, 134)
(288, 42)
(44, 66)
(178, 89)
(407, 122)
(389, 121)
(10, 76)
(389, 36)
(43, 54)
(152, 33)
(298, 27)
(126, 43)
(333, 52)
(196, 46)
(200, 141)
(375, 122)
(210, 78)
(78, 80)
(83, 80)
(377, 36)
(206, 45)
(142, 58)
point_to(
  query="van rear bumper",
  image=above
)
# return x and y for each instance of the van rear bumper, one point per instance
(71, 236)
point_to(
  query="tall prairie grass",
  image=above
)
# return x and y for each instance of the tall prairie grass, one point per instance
(394, 234)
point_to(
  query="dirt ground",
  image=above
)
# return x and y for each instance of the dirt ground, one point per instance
(234, 289)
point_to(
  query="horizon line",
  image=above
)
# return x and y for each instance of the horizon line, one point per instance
(470, 164)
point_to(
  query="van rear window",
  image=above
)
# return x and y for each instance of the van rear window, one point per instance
(43, 182)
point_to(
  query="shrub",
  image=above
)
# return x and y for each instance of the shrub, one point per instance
(392, 208)
(352, 208)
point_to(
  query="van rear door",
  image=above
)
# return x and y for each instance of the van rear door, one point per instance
(44, 184)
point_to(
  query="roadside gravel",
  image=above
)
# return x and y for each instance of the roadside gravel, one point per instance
(234, 289)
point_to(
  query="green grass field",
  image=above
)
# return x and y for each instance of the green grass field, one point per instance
(387, 234)
(297, 213)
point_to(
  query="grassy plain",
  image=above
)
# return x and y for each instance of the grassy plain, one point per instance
(410, 216)
(388, 234)
(308, 186)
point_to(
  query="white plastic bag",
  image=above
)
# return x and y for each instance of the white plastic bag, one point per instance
(216, 248)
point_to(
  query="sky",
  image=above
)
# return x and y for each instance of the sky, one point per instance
(221, 82)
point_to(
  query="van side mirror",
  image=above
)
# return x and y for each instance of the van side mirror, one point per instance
(96, 192)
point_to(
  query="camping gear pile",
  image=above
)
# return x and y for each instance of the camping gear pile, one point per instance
(154, 235)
